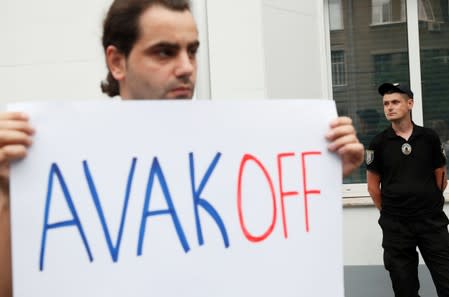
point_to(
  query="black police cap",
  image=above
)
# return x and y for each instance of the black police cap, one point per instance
(395, 87)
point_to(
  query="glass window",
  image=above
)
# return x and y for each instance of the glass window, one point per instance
(425, 11)
(338, 68)
(387, 11)
(363, 57)
(434, 51)
(392, 67)
(335, 15)
(381, 12)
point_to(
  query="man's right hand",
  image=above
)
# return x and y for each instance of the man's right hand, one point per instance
(15, 138)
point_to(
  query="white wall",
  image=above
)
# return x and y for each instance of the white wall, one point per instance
(51, 49)
(236, 49)
(267, 49)
(363, 237)
(295, 49)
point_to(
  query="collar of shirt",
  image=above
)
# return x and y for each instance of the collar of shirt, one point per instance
(417, 130)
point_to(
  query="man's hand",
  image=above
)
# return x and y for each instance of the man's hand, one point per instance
(15, 138)
(344, 142)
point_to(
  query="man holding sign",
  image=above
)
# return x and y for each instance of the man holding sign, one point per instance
(150, 48)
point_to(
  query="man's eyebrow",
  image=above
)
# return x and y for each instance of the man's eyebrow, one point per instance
(171, 45)
(194, 43)
(165, 44)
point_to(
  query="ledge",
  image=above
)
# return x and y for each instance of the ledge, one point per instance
(368, 202)
(357, 202)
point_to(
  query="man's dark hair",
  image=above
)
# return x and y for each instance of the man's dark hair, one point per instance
(403, 95)
(121, 29)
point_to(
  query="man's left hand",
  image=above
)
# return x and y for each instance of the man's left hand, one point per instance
(344, 142)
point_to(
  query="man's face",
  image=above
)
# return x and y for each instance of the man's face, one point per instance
(397, 106)
(162, 63)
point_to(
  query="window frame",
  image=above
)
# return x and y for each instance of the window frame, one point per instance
(402, 17)
(342, 75)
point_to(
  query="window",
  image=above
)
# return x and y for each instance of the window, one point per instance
(335, 15)
(391, 67)
(425, 11)
(369, 55)
(364, 56)
(387, 11)
(435, 83)
(338, 68)
(382, 11)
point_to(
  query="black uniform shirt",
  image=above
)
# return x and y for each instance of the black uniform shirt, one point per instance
(407, 171)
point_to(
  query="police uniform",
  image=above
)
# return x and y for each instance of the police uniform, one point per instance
(412, 207)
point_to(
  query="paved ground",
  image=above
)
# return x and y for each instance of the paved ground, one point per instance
(373, 281)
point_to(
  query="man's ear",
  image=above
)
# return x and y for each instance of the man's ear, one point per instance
(410, 103)
(116, 62)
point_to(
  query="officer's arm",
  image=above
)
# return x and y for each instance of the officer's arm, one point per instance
(441, 178)
(373, 180)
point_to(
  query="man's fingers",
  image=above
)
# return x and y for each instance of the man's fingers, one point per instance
(13, 152)
(353, 148)
(15, 136)
(340, 121)
(341, 140)
(14, 124)
(8, 137)
(19, 116)
(340, 131)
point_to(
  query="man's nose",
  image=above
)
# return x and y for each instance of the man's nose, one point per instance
(185, 65)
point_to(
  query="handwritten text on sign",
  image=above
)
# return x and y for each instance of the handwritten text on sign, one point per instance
(178, 198)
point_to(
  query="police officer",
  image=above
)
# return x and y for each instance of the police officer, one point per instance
(406, 179)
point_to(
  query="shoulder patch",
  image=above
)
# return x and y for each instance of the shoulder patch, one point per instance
(369, 157)
(443, 151)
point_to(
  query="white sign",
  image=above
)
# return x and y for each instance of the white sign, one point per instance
(185, 198)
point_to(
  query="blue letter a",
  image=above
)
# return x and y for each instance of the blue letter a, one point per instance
(54, 171)
(198, 201)
(113, 249)
(156, 171)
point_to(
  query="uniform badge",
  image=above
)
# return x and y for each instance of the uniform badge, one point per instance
(406, 149)
(369, 156)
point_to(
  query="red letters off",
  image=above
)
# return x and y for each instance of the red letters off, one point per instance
(248, 158)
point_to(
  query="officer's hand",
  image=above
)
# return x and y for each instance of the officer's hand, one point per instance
(344, 142)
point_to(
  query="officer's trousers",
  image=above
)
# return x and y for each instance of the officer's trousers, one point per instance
(401, 237)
